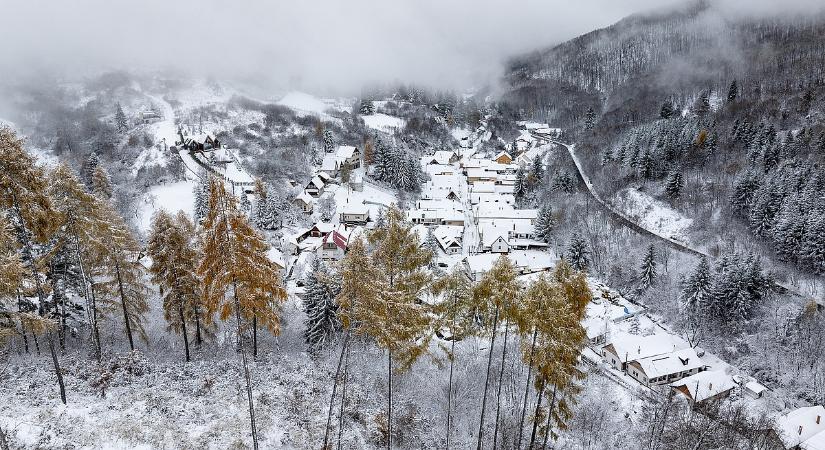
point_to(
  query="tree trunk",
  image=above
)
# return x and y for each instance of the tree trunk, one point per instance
(41, 296)
(526, 388)
(183, 330)
(89, 295)
(450, 382)
(500, 379)
(36, 344)
(389, 399)
(4, 444)
(487, 380)
(198, 339)
(254, 336)
(334, 387)
(126, 312)
(343, 399)
(536, 416)
(247, 378)
(22, 323)
(549, 417)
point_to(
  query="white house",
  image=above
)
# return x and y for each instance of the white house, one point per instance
(354, 213)
(754, 389)
(802, 428)
(304, 201)
(621, 351)
(442, 157)
(315, 187)
(449, 238)
(666, 368)
(705, 386)
(348, 154)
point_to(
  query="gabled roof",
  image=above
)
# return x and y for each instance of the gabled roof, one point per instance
(812, 436)
(317, 182)
(355, 209)
(304, 197)
(705, 385)
(503, 154)
(669, 363)
(629, 347)
(345, 151)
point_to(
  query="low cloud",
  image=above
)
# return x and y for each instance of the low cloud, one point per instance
(322, 45)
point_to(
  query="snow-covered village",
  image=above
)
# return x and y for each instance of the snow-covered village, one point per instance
(604, 235)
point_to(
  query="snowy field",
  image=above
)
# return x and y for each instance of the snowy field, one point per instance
(172, 198)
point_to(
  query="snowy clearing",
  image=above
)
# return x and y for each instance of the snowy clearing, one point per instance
(652, 214)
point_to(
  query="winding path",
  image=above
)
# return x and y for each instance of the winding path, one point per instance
(624, 220)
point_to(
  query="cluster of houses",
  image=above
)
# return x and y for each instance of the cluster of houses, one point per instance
(208, 152)
(343, 156)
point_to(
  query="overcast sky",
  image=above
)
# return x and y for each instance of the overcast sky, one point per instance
(313, 45)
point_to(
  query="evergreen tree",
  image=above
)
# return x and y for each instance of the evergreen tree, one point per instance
(201, 193)
(520, 186)
(23, 193)
(234, 259)
(590, 119)
(666, 112)
(101, 186)
(367, 107)
(578, 253)
(812, 246)
(537, 169)
(545, 224)
(320, 306)
(88, 169)
(673, 186)
(646, 165)
(648, 270)
(696, 288)
(733, 91)
(174, 259)
(744, 188)
(120, 119)
(329, 141)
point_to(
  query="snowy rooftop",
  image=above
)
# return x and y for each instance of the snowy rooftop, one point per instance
(707, 384)
(345, 151)
(631, 347)
(803, 427)
(524, 260)
(674, 362)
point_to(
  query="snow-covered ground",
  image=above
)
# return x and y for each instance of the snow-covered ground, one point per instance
(384, 122)
(172, 197)
(652, 214)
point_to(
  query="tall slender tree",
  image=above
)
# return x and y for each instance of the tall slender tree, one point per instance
(395, 318)
(238, 278)
(456, 316)
(23, 193)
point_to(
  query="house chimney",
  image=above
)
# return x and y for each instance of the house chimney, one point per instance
(710, 386)
(800, 430)
(817, 419)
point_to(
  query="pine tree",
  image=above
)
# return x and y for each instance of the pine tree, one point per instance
(174, 258)
(578, 253)
(88, 169)
(320, 306)
(520, 186)
(201, 193)
(537, 169)
(673, 186)
(234, 259)
(545, 224)
(120, 119)
(23, 192)
(101, 186)
(696, 288)
(590, 119)
(366, 108)
(393, 317)
(494, 299)
(329, 141)
(666, 112)
(648, 273)
(812, 247)
(733, 91)
(646, 165)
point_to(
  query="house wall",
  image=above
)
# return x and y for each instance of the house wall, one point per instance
(500, 246)
(612, 359)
